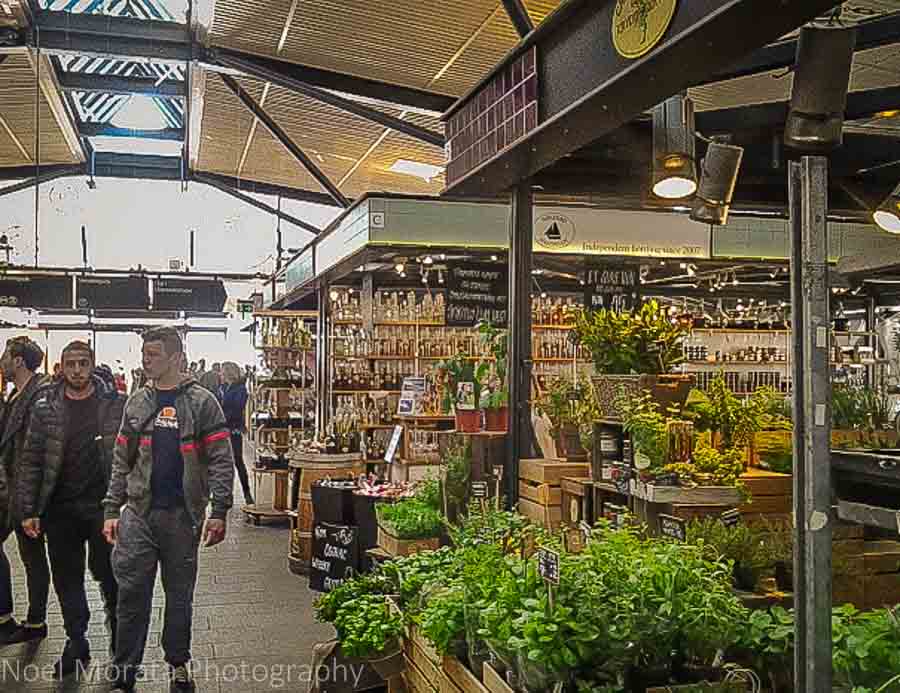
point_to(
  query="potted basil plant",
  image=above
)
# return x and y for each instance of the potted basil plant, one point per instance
(491, 375)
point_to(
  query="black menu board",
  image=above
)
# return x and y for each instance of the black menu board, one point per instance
(475, 292)
(335, 556)
(612, 285)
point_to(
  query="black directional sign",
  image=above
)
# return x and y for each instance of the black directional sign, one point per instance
(206, 295)
(35, 291)
(112, 292)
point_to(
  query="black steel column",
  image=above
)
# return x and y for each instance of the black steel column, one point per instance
(323, 353)
(811, 321)
(520, 247)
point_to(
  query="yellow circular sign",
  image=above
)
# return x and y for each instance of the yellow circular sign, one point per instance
(638, 25)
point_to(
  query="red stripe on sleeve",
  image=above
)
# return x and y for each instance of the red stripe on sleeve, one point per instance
(145, 441)
(121, 440)
(213, 437)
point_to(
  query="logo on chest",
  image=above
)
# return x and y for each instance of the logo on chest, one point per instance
(167, 418)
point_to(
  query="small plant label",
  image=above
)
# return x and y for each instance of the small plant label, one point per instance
(730, 518)
(479, 489)
(672, 527)
(585, 530)
(622, 480)
(574, 540)
(548, 565)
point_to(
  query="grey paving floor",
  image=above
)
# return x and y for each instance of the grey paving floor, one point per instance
(253, 624)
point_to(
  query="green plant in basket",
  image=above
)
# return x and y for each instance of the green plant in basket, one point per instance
(559, 403)
(367, 626)
(410, 519)
(646, 340)
(646, 424)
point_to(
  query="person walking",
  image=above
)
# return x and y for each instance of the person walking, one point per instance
(211, 379)
(173, 456)
(234, 402)
(19, 363)
(65, 471)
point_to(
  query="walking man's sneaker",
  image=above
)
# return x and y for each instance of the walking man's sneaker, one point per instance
(75, 653)
(181, 681)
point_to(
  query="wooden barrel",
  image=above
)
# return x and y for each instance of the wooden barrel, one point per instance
(305, 470)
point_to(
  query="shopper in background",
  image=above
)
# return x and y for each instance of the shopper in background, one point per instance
(19, 364)
(172, 456)
(65, 472)
(211, 379)
(234, 403)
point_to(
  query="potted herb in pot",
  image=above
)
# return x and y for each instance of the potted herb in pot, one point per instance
(370, 629)
(633, 350)
(743, 545)
(492, 377)
(464, 390)
(559, 404)
(408, 527)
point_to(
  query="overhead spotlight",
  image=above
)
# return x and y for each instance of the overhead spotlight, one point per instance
(718, 176)
(819, 95)
(403, 275)
(712, 287)
(887, 215)
(400, 267)
(674, 171)
(581, 280)
(425, 277)
(691, 269)
(440, 276)
(443, 256)
(494, 258)
(643, 272)
(683, 265)
(543, 294)
(734, 280)
(333, 295)
(773, 274)
(428, 260)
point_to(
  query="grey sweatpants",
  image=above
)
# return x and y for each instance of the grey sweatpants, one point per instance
(168, 539)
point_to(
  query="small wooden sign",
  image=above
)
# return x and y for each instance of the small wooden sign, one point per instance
(548, 565)
(730, 518)
(673, 527)
(479, 489)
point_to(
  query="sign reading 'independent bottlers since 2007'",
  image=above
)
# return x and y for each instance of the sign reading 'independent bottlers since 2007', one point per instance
(477, 292)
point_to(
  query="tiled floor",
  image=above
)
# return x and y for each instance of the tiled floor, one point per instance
(253, 624)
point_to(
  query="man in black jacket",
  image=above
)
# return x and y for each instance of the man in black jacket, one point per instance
(65, 474)
(20, 360)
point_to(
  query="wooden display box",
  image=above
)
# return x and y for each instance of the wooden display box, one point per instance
(428, 672)
(551, 472)
(540, 490)
(493, 682)
(881, 573)
(699, 495)
(771, 494)
(547, 516)
(404, 547)
(577, 501)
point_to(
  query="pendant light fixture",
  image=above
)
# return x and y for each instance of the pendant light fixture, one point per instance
(718, 176)
(819, 93)
(887, 214)
(674, 170)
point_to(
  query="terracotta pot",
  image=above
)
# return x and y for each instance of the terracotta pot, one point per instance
(496, 419)
(468, 421)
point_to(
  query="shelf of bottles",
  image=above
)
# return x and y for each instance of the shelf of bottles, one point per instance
(284, 393)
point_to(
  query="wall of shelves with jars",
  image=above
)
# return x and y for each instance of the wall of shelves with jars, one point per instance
(284, 394)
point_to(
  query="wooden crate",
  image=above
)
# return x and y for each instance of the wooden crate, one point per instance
(881, 557)
(542, 494)
(493, 682)
(549, 516)
(881, 573)
(444, 674)
(577, 500)
(730, 687)
(848, 589)
(770, 493)
(405, 547)
(699, 495)
(551, 471)
(461, 677)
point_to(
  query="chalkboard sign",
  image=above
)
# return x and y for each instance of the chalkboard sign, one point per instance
(672, 527)
(548, 565)
(335, 556)
(730, 518)
(477, 292)
(615, 286)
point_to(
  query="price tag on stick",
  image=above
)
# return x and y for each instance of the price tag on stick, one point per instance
(730, 518)
(548, 568)
(672, 527)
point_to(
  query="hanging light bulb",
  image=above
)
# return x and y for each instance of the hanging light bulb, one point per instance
(887, 215)
(674, 172)
(440, 276)
(400, 267)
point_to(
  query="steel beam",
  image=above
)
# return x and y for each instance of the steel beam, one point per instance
(813, 518)
(881, 31)
(256, 203)
(519, 310)
(251, 186)
(402, 97)
(519, 17)
(106, 130)
(279, 134)
(585, 89)
(112, 36)
(255, 68)
(43, 177)
(114, 84)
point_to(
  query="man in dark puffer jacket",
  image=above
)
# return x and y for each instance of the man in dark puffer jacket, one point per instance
(21, 359)
(65, 473)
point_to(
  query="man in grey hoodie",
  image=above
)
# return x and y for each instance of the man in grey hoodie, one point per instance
(173, 457)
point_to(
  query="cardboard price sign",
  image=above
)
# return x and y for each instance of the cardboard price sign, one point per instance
(672, 527)
(548, 565)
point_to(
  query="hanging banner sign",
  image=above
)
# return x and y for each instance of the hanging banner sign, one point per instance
(35, 291)
(112, 292)
(477, 292)
(612, 285)
(202, 295)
